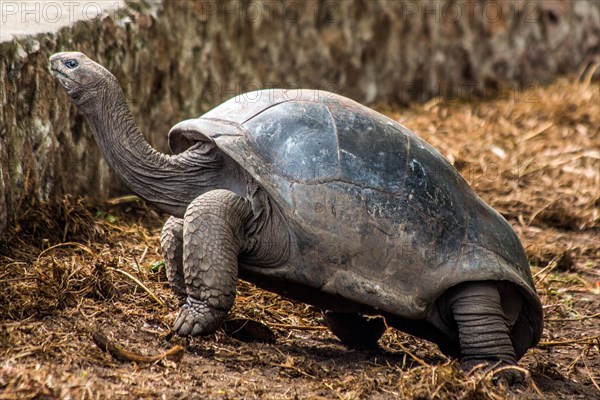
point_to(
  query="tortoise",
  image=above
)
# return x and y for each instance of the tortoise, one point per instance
(318, 198)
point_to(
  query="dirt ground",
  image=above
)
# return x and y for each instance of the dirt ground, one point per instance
(74, 268)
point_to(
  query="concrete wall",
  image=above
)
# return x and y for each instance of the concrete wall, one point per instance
(178, 61)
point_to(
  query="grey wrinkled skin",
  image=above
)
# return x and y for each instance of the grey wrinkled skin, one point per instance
(318, 198)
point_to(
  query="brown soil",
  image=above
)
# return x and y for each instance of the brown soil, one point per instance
(70, 270)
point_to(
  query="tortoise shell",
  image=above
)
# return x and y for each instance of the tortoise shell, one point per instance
(377, 216)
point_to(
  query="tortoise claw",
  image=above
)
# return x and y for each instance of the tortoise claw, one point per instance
(197, 319)
(503, 373)
(506, 376)
(184, 321)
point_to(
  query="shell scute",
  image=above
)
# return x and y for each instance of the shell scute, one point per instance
(297, 139)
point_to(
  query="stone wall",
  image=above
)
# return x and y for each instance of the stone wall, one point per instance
(178, 61)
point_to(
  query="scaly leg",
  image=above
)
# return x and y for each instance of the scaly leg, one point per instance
(483, 329)
(213, 236)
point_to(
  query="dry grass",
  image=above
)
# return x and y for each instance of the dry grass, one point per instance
(72, 269)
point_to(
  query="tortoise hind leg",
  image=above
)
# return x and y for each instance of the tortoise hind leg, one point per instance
(355, 330)
(483, 328)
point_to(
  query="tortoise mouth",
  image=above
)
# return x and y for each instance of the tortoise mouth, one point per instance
(60, 75)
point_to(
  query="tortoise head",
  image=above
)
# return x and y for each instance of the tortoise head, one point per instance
(82, 78)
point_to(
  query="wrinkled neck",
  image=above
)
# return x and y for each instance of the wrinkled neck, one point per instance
(168, 182)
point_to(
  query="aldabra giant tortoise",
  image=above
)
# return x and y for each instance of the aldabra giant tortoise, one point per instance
(318, 198)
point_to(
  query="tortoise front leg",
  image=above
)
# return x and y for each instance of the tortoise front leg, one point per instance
(483, 328)
(212, 239)
(171, 242)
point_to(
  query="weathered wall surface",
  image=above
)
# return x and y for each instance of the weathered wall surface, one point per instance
(191, 55)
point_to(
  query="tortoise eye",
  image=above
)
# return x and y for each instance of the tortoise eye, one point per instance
(71, 64)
